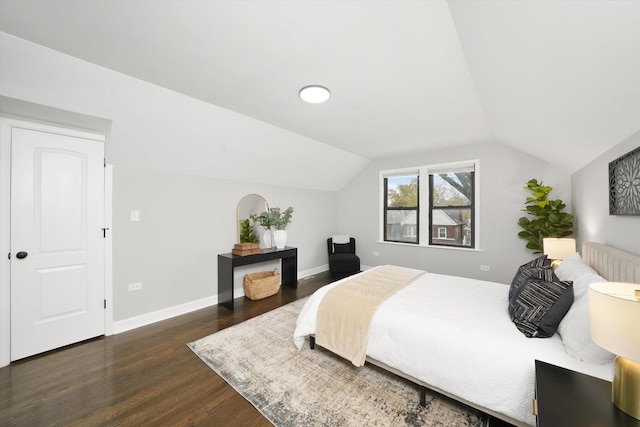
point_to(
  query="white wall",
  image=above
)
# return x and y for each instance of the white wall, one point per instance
(172, 157)
(591, 203)
(503, 174)
(185, 222)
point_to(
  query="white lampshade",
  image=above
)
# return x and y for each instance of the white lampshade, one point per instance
(614, 314)
(556, 248)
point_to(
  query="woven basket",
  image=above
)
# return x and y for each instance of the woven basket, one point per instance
(262, 284)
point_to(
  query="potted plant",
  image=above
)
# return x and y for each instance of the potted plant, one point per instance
(277, 220)
(246, 232)
(549, 218)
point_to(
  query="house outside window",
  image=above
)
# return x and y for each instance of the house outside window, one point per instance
(448, 213)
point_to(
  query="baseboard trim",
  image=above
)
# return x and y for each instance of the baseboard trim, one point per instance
(164, 314)
(178, 310)
(312, 271)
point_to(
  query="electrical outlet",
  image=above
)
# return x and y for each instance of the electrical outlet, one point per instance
(376, 253)
(485, 268)
(135, 215)
(135, 286)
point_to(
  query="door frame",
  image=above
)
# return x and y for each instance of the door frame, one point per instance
(6, 124)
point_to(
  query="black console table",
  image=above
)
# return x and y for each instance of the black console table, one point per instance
(227, 262)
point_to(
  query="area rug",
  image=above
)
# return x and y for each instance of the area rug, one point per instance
(314, 387)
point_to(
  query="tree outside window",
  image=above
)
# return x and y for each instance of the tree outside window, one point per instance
(452, 209)
(401, 208)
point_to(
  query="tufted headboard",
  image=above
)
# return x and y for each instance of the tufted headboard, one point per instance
(613, 264)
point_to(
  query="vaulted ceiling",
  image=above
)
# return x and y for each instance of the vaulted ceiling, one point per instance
(556, 79)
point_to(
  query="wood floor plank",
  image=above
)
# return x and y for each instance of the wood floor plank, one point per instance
(147, 376)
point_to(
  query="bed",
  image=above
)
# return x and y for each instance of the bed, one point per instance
(455, 336)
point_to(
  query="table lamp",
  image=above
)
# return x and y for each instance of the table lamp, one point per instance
(558, 249)
(614, 312)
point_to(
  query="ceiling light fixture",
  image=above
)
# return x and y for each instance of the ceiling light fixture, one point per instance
(315, 94)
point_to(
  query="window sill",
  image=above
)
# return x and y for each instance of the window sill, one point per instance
(453, 248)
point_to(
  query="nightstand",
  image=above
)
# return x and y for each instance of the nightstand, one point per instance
(567, 398)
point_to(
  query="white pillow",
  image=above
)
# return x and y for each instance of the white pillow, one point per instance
(574, 327)
(340, 239)
(572, 267)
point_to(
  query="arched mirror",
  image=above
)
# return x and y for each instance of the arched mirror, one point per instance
(249, 205)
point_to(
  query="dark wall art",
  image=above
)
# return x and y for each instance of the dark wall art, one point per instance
(624, 184)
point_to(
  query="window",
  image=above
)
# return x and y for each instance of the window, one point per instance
(401, 208)
(451, 195)
(449, 215)
(442, 233)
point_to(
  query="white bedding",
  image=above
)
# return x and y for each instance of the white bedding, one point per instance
(455, 334)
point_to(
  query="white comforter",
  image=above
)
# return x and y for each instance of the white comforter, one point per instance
(455, 334)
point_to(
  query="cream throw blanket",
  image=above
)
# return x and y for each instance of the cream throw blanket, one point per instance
(346, 311)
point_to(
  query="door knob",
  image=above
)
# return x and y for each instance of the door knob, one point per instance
(21, 255)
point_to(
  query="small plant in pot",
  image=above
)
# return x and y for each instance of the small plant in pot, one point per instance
(246, 232)
(278, 220)
(549, 218)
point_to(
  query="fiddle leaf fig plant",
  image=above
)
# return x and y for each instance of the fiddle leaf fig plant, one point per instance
(548, 220)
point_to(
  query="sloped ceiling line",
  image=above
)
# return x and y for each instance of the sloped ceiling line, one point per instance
(554, 79)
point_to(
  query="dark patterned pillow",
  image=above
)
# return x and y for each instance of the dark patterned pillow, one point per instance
(341, 248)
(540, 307)
(539, 268)
(545, 274)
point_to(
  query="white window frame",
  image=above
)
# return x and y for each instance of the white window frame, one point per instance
(440, 236)
(423, 197)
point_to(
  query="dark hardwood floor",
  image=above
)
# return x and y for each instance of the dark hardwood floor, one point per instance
(147, 376)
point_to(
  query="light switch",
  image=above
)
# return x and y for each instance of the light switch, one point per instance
(135, 215)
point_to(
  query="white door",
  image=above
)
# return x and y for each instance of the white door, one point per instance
(57, 250)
